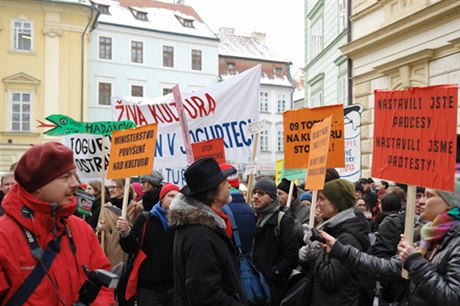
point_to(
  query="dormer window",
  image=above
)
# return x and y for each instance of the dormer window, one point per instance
(186, 21)
(104, 9)
(102, 6)
(139, 14)
(278, 71)
(231, 66)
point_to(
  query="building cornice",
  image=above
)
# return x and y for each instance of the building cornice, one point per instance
(396, 64)
(422, 20)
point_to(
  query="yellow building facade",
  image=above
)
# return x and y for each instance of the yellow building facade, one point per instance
(43, 69)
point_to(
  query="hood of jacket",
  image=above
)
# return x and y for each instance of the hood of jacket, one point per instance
(186, 210)
(37, 216)
(348, 221)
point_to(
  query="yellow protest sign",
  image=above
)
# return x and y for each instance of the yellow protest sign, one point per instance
(132, 152)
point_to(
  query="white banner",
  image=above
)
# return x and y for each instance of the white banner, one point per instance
(223, 110)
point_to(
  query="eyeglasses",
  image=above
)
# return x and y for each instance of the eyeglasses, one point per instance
(260, 193)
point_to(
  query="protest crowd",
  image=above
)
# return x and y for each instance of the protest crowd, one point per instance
(188, 246)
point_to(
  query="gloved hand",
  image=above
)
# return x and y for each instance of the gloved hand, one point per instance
(306, 234)
(303, 253)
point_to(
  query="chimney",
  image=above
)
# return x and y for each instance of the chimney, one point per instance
(260, 37)
(225, 30)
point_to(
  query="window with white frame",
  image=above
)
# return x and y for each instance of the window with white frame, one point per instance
(104, 93)
(342, 90)
(22, 35)
(137, 91)
(105, 47)
(263, 136)
(263, 101)
(20, 111)
(281, 102)
(343, 18)
(168, 56)
(316, 98)
(137, 52)
(196, 60)
(316, 37)
(280, 141)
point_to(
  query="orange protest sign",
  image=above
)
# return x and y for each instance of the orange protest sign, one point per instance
(297, 126)
(415, 137)
(212, 148)
(317, 159)
(132, 152)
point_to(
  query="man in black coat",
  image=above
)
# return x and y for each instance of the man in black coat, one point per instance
(275, 244)
(205, 261)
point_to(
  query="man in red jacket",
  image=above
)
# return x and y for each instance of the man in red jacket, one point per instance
(40, 206)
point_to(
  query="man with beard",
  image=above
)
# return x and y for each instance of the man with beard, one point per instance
(275, 243)
(205, 261)
(39, 224)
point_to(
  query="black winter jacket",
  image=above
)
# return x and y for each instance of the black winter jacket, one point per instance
(206, 270)
(276, 256)
(334, 283)
(156, 271)
(430, 283)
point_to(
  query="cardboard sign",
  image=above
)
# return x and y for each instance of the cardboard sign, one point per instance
(64, 125)
(212, 148)
(415, 139)
(317, 159)
(279, 168)
(297, 135)
(289, 174)
(257, 126)
(132, 152)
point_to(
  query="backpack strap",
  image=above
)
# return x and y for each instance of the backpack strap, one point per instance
(37, 274)
(236, 235)
(278, 224)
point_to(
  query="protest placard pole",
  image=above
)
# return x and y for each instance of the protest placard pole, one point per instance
(251, 175)
(102, 211)
(183, 124)
(291, 189)
(314, 198)
(124, 208)
(409, 222)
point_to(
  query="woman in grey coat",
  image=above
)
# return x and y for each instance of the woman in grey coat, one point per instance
(434, 269)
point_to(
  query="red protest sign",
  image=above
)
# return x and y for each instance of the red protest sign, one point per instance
(212, 148)
(415, 137)
(297, 126)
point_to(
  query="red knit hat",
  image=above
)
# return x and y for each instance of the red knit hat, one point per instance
(43, 163)
(232, 179)
(167, 188)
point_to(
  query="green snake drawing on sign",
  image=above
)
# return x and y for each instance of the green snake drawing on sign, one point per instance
(64, 125)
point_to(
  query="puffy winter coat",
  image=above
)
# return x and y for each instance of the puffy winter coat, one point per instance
(16, 261)
(206, 268)
(430, 283)
(334, 283)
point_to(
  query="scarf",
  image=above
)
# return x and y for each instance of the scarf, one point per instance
(266, 212)
(161, 214)
(432, 233)
(228, 224)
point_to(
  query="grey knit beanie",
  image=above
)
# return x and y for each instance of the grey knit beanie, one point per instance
(268, 186)
(452, 198)
(155, 178)
(341, 193)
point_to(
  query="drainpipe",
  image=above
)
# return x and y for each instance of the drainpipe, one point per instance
(93, 8)
(349, 61)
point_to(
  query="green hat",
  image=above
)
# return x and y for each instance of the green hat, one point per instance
(341, 193)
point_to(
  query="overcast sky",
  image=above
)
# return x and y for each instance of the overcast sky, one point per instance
(282, 21)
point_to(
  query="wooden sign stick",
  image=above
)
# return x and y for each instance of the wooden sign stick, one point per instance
(409, 222)
(251, 176)
(291, 189)
(311, 222)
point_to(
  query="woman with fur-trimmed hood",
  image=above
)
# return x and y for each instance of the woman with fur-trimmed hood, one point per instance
(206, 268)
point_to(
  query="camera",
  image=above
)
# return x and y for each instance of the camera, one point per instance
(315, 236)
(91, 287)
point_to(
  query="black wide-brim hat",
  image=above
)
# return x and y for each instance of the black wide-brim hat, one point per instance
(203, 175)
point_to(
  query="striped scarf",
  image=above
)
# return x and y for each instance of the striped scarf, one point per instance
(432, 233)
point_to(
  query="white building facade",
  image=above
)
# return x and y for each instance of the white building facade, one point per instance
(144, 51)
